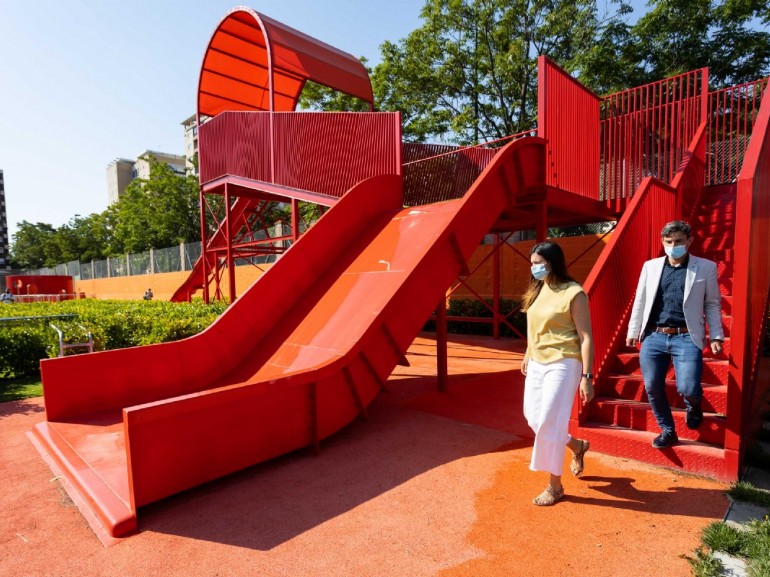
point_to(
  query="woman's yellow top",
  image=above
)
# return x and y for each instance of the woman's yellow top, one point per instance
(551, 332)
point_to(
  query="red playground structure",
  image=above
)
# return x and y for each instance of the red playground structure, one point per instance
(306, 348)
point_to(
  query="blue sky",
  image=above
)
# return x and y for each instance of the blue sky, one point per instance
(83, 82)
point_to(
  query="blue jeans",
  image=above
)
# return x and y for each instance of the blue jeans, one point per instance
(655, 356)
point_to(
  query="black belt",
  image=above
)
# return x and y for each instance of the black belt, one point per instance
(672, 330)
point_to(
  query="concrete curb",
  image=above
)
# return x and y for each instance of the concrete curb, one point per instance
(737, 515)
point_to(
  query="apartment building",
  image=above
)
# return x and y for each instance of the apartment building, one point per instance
(191, 141)
(5, 253)
(121, 171)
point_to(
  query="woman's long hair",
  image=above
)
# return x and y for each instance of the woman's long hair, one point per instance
(558, 275)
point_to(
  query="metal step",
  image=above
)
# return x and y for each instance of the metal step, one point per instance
(715, 370)
(687, 456)
(631, 388)
(638, 416)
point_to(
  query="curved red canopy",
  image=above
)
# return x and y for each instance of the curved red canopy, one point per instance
(256, 63)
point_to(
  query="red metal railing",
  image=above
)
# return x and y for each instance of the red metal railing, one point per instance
(690, 177)
(750, 283)
(732, 113)
(568, 118)
(324, 152)
(439, 172)
(646, 130)
(613, 279)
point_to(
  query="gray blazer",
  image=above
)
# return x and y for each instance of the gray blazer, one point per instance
(701, 299)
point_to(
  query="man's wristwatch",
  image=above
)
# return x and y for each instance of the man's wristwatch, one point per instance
(588, 376)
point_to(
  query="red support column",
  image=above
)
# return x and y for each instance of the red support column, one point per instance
(204, 256)
(496, 288)
(294, 219)
(441, 347)
(217, 278)
(229, 238)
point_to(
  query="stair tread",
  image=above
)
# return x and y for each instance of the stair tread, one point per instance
(642, 404)
(648, 436)
(669, 382)
(711, 360)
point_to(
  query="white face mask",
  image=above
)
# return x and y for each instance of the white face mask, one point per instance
(539, 271)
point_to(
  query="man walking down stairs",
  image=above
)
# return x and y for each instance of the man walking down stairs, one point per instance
(674, 294)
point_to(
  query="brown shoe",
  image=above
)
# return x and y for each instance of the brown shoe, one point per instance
(549, 497)
(577, 464)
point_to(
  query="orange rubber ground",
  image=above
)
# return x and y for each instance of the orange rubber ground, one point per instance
(432, 485)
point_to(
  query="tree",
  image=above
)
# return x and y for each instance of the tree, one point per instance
(319, 97)
(469, 73)
(84, 238)
(676, 36)
(34, 246)
(159, 211)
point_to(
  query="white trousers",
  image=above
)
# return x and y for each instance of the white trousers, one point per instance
(549, 391)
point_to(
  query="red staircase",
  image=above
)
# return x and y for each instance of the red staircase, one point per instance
(620, 421)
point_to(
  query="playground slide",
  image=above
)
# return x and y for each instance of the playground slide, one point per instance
(296, 358)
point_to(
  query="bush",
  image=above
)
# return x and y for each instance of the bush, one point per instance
(114, 325)
(22, 346)
(721, 537)
(476, 308)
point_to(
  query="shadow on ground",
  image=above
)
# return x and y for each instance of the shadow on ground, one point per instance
(22, 407)
(269, 504)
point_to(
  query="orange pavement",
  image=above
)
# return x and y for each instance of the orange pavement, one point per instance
(432, 485)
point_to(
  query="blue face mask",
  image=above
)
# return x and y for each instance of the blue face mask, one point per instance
(676, 252)
(539, 271)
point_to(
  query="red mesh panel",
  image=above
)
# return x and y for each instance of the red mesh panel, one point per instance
(326, 152)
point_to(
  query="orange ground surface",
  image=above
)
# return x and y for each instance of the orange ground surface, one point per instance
(432, 485)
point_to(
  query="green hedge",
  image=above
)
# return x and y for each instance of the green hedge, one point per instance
(114, 325)
(121, 324)
(475, 308)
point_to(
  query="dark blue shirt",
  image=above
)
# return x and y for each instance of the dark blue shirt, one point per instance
(667, 311)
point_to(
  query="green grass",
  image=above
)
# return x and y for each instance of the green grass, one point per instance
(748, 493)
(721, 537)
(20, 388)
(704, 564)
(751, 543)
(759, 568)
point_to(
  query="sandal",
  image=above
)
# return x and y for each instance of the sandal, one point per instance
(577, 459)
(549, 497)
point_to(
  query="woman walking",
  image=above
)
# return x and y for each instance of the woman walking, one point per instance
(558, 360)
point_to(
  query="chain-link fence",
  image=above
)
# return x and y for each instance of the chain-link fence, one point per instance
(171, 259)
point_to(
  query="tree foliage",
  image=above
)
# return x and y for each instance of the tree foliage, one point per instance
(319, 97)
(34, 245)
(469, 73)
(676, 36)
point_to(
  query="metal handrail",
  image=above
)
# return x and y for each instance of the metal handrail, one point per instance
(38, 318)
(64, 346)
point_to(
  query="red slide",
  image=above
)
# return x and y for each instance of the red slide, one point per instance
(297, 357)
